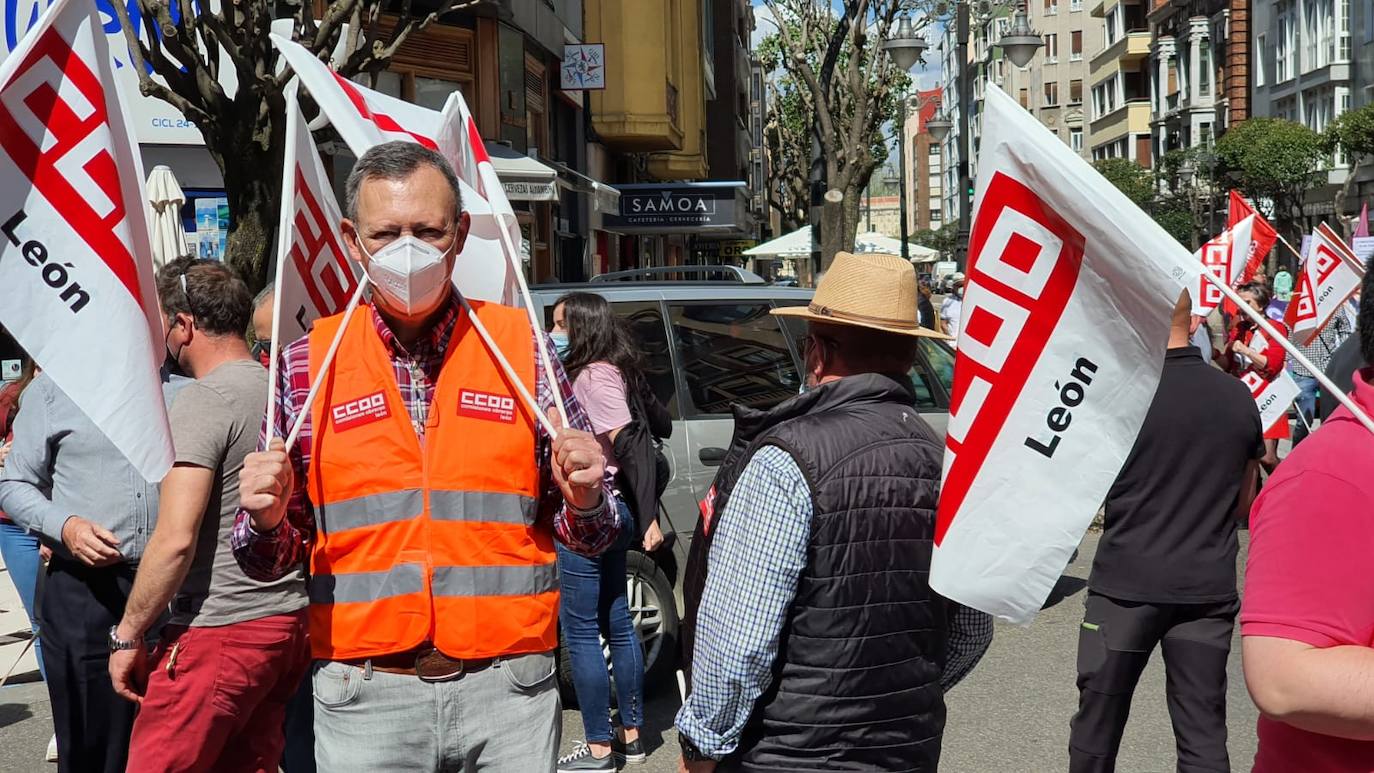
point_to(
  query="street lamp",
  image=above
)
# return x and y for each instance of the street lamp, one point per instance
(905, 46)
(1020, 44)
(1021, 41)
(938, 128)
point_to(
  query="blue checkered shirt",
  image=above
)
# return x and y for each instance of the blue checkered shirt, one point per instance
(757, 555)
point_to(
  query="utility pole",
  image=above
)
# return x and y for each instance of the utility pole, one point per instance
(901, 175)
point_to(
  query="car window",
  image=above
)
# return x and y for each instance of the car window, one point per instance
(732, 353)
(645, 320)
(941, 360)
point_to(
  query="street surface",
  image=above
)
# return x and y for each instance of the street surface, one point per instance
(1010, 715)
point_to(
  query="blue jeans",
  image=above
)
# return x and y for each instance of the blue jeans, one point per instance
(1307, 404)
(20, 552)
(593, 605)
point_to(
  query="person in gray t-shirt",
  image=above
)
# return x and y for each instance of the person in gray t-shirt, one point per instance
(235, 648)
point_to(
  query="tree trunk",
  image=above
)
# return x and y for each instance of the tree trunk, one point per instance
(851, 216)
(252, 168)
(832, 232)
(1343, 193)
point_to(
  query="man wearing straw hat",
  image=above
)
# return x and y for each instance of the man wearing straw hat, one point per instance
(426, 492)
(812, 638)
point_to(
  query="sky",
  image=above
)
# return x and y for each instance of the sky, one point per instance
(926, 76)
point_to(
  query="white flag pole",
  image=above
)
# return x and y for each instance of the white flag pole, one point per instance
(328, 360)
(543, 351)
(506, 368)
(1291, 348)
(288, 184)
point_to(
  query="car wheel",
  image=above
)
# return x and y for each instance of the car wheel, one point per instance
(653, 613)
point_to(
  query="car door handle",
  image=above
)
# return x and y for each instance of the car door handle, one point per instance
(712, 456)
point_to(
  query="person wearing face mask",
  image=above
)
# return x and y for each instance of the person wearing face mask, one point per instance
(214, 691)
(812, 638)
(426, 498)
(263, 307)
(64, 481)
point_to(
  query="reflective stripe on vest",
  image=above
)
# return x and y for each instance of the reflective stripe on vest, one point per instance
(396, 506)
(457, 581)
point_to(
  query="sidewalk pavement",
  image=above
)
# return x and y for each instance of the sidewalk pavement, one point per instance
(1011, 715)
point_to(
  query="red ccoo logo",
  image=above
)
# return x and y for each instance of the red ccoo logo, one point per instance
(356, 413)
(1024, 261)
(486, 406)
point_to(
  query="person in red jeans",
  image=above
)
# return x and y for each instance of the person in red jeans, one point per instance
(213, 696)
(1307, 619)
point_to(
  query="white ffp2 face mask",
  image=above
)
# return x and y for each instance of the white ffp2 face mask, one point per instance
(409, 272)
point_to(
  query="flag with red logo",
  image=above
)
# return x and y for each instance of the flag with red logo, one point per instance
(1225, 258)
(315, 274)
(1272, 397)
(76, 265)
(365, 118)
(1262, 240)
(1328, 278)
(1066, 315)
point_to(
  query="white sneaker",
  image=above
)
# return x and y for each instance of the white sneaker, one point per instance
(51, 756)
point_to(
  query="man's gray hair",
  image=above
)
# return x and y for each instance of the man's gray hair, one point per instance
(263, 295)
(396, 161)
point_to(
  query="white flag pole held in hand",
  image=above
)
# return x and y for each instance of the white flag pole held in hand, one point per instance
(328, 360)
(1292, 349)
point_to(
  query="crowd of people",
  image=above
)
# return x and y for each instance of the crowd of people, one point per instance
(387, 592)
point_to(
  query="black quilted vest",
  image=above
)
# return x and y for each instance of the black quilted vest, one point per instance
(856, 685)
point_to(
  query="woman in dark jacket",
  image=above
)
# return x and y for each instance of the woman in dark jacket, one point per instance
(603, 363)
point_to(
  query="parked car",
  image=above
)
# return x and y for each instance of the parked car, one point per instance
(710, 345)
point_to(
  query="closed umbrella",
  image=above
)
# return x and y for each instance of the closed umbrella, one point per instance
(165, 200)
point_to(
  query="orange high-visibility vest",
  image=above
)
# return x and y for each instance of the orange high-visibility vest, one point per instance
(431, 541)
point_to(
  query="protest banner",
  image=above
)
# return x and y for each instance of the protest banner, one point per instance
(1225, 256)
(1264, 235)
(1272, 397)
(1327, 279)
(1067, 308)
(76, 266)
(315, 276)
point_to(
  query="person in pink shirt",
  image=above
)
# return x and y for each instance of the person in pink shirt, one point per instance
(1307, 618)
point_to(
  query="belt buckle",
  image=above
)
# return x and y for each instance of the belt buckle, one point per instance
(431, 665)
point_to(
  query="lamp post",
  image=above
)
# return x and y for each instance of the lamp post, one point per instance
(1020, 43)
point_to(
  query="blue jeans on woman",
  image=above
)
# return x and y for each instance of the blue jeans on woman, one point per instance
(593, 605)
(19, 549)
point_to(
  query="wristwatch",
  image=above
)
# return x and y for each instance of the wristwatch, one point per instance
(690, 752)
(117, 644)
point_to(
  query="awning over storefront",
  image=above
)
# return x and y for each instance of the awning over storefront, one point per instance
(604, 198)
(676, 208)
(523, 178)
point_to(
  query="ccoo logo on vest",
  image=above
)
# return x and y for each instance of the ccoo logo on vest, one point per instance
(486, 406)
(356, 413)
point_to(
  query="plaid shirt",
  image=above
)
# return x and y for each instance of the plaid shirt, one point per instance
(757, 557)
(1322, 347)
(269, 555)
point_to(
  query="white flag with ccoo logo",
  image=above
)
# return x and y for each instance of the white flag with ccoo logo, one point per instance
(1065, 322)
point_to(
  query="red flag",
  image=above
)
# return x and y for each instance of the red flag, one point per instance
(1328, 278)
(1263, 239)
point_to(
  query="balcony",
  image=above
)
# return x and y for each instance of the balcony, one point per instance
(639, 109)
(1130, 48)
(1128, 119)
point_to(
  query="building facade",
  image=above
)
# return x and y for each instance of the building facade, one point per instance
(1305, 66)
(1057, 90)
(1119, 83)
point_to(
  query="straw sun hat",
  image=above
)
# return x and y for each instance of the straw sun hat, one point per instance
(869, 290)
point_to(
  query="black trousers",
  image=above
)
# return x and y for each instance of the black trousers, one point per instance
(78, 607)
(1114, 645)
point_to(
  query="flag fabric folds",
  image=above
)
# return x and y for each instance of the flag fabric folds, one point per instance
(1328, 278)
(76, 267)
(1226, 257)
(1065, 322)
(1262, 240)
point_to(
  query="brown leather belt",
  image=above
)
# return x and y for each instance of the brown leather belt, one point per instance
(425, 662)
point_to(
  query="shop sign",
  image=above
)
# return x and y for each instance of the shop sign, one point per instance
(584, 67)
(530, 190)
(683, 206)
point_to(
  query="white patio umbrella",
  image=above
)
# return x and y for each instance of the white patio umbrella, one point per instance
(164, 201)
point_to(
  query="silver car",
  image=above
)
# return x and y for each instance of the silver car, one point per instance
(707, 346)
